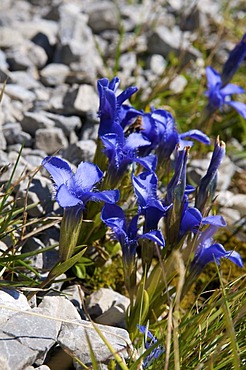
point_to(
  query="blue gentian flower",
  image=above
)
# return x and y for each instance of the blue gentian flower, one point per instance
(206, 251)
(123, 151)
(236, 56)
(76, 189)
(156, 352)
(220, 95)
(145, 188)
(207, 186)
(114, 217)
(112, 112)
(161, 130)
(192, 220)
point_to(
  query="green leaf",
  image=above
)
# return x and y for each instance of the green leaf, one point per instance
(62, 267)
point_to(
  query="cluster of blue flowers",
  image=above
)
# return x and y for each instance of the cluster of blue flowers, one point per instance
(139, 148)
(157, 132)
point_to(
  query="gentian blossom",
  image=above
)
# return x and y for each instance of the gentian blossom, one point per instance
(160, 128)
(192, 220)
(114, 115)
(76, 189)
(207, 251)
(114, 217)
(156, 352)
(220, 95)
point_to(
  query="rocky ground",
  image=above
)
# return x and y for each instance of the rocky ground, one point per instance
(51, 56)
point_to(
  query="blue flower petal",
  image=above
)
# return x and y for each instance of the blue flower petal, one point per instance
(58, 169)
(213, 78)
(156, 236)
(239, 106)
(114, 84)
(135, 140)
(216, 220)
(235, 258)
(214, 253)
(231, 89)
(149, 162)
(197, 135)
(66, 198)
(126, 94)
(108, 196)
(87, 175)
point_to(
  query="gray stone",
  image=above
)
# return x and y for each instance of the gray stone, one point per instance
(54, 74)
(75, 295)
(67, 124)
(90, 128)
(9, 37)
(178, 84)
(38, 196)
(42, 40)
(103, 16)
(83, 150)
(128, 62)
(3, 63)
(33, 121)
(57, 98)
(30, 29)
(14, 301)
(72, 338)
(14, 135)
(17, 59)
(107, 307)
(13, 354)
(164, 41)
(228, 199)
(50, 140)
(157, 64)
(81, 99)
(77, 43)
(25, 79)
(3, 143)
(19, 170)
(17, 92)
(33, 333)
(37, 55)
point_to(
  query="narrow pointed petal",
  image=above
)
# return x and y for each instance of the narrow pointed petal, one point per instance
(235, 258)
(231, 89)
(108, 196)
(126, 94)
(87, 175)
(213, 77)
(156, 236)
(59, 169)
(149, 162)
(214, 220)
(197, 135)
(239, 106)
(114, 84)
